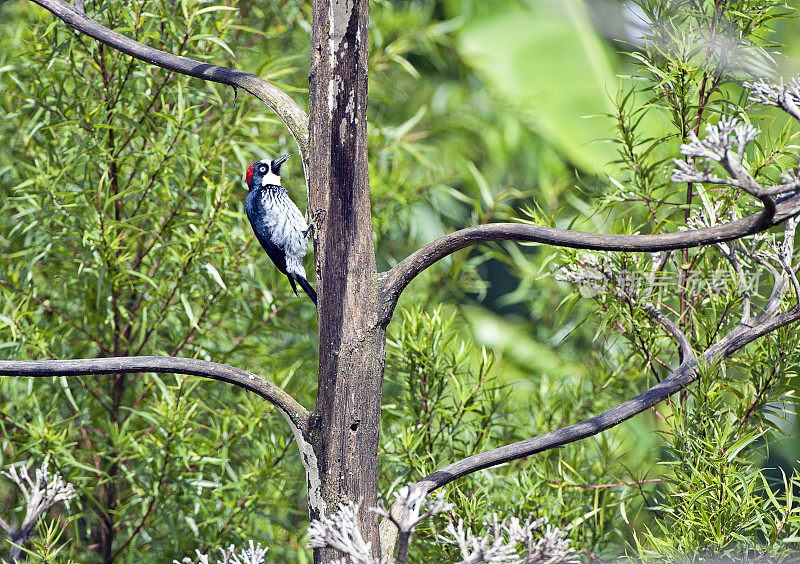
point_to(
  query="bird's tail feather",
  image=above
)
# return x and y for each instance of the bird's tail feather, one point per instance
(304, 284)
(294, 287)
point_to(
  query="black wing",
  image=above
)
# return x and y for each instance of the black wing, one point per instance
(274, 252)
(255, 215)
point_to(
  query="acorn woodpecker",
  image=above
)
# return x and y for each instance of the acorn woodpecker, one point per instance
(278, 224)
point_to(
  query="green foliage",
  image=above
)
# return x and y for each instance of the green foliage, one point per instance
(48, 544)
(549, 91)
(123, 232)
(689, 72)
(122, 220)
(456, 406)
(716, 502)
(451, 405)
(712, 500)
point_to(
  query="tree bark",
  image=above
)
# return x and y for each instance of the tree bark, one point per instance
(344, 427)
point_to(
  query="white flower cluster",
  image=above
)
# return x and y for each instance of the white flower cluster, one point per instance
(784, 96)
(254, 554)
(593, 274)
(709, 215)
(41, 493)
(511, 540)
(341, 532)
(725, 143)
(688, 172)
(412, 501)
(781, 252)
(718, 146)
(502, 542)
(720, 137)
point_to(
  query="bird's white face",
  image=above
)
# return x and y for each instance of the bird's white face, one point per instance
(264, 173)
(270, 177)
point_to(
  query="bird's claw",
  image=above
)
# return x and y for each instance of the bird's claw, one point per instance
(316, 221)
(319, 216)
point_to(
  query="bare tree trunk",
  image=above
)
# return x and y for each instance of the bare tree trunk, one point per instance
(344, 427)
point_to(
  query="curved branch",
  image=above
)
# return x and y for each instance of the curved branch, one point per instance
(295, 414)
(276, 99)
(682, 376)
(684, 346)
(395, 280)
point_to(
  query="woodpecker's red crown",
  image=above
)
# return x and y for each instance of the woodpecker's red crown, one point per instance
(249, 175)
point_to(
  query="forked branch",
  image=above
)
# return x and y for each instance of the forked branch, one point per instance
(276, 99)
(684, 375)
(724, 144)
(295, 414)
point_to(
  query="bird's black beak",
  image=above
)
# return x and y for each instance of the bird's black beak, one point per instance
(276, 164)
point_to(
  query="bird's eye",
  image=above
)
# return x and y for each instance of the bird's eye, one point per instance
(262, 168)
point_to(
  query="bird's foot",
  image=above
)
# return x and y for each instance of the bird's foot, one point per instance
(316, 221)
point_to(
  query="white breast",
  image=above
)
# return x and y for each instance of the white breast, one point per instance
(286, 226)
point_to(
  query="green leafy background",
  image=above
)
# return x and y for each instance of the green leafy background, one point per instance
(123, 232)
